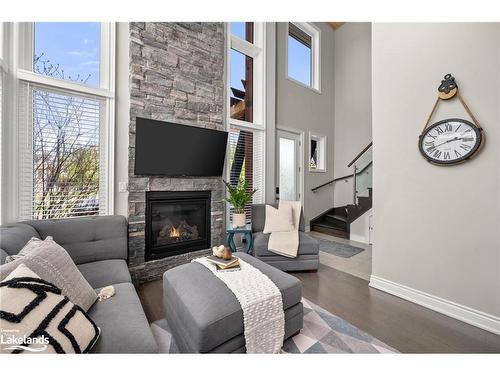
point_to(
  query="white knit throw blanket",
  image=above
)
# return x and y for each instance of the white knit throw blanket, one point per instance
(260, 300)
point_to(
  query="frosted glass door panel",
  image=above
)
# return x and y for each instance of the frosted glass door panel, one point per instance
(287, 169)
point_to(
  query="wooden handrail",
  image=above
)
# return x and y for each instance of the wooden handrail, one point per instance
(331, 182)
(361, 153)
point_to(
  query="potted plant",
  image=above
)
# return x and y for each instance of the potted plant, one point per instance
(239, 196)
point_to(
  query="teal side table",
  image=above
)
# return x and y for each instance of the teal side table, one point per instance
(246, 230)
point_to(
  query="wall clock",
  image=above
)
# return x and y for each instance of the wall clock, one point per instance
(454, 140)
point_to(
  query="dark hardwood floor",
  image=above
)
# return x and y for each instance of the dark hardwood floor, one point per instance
(407, 327)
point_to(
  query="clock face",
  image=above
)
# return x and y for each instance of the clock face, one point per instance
(450, 141)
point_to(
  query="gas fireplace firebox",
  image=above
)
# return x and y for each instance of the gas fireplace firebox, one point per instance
(177, 222)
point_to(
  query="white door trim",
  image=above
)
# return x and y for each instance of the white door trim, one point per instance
(301, 134)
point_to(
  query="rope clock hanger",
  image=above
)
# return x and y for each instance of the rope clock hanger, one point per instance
(453, 140)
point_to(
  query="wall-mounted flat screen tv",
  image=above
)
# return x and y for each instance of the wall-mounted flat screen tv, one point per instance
(169, 149)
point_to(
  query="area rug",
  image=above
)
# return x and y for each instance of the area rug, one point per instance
(337, 248)
(323, 332)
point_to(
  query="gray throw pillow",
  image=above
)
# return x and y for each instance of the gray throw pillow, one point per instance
(52, 263)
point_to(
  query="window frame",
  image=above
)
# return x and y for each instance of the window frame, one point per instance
(255, 50)
(3, 106)
(23, 74)
(315, 34)
(321, 141)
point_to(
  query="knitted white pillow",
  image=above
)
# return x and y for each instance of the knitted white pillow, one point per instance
(51, 262)
(278, 220)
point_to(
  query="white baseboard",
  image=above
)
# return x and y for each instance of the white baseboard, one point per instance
(358, 238)
(465, 314)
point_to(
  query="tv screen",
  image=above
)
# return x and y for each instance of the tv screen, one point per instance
(168, 149)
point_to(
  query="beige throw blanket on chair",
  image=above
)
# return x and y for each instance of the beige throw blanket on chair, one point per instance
(287, 243)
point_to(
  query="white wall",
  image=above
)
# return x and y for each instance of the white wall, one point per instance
(359, 229)
(122, 113)
(437, 228)
(353, 101)
(304, 109)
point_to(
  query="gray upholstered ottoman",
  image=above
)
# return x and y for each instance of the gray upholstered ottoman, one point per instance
(204, 315)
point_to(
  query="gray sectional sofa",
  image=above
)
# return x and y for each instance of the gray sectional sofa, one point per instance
(99, 247)
(308, 254)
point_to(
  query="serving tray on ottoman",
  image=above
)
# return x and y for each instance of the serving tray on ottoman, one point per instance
(204, 315)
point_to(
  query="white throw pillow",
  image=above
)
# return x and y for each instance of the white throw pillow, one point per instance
(296, 207)
(278, 220)
(37, 318)
(52, 263)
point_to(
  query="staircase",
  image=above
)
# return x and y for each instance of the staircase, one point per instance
(337, 221)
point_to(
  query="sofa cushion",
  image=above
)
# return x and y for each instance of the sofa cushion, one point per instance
(278, 220)
(34, 307)
(124, 327)
(13, 237)
(307, 245)
(87, 239)
(53, 264)
(105, 272)
(209, 313)
(259, 217)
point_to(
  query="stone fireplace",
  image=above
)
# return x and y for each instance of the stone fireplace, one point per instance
(176, 75)
(177, 222)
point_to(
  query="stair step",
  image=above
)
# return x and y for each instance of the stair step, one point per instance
(328, 229)
(337, 217)
(331, 224)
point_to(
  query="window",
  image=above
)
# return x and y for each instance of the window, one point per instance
(66, 107)
(246, 107)
(241, 86)
(317, 153)
(303, 54)
(68, 51)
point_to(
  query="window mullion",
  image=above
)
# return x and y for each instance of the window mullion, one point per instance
(245, 47)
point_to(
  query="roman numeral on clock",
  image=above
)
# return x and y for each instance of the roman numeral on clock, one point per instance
(457, 154)
(465, 147)
(447, 155)
(448, 127)
(439, 130)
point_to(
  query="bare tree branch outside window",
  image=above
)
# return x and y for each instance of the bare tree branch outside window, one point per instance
(65, 149)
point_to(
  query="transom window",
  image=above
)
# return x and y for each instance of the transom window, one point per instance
(303, 65)
(68, 50)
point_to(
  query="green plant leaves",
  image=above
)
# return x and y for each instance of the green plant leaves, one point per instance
(239, 195)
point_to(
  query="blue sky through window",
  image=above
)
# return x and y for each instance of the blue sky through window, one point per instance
(299, 61)
(237, 69)
(75, 46)
(238, 29)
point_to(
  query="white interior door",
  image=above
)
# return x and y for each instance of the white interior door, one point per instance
(288, 166)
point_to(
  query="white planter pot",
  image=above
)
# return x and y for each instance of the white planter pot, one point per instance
(239, 220)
